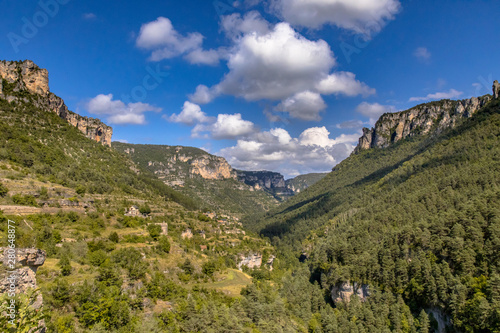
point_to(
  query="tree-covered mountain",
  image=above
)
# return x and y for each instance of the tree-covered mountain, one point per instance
(410, 223)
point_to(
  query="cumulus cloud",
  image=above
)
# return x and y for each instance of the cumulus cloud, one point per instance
(235, 25)
(305, 105)
(365, 16)
(374, 110)
(165, 42)
(277, 150)
(422, 53)
(203, 94)
(190, 115)
(343, 83)
(117, 112)
(227, 126)
(452, 93)
(280, 64)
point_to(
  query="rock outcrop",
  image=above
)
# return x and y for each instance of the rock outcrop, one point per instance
(27, 77)
(346, 290)
(271, 182)
(496, 89)
(212, 167)
(28, 261)
(253, 260)
(423, 119)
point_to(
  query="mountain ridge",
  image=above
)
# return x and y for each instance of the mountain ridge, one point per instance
(433, 117)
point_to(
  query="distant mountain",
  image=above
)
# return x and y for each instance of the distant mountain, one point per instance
(271, 182)
(300, 183)
(207, 178)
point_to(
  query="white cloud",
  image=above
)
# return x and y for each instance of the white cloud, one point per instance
(203, 95)
(118, 112)
(190, 115)
(279, 64)
(422, 53)
(373, 111)
(362, 16)
(316, 136)
(313, 151)
(343, 83)
(235, 26)
(452, 93)
(227, 126)
(305, 105)
(203, 57)
(165, 42)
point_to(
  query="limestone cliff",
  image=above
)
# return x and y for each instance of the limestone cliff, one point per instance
(212, 167)
(423, 119)
(27, 81)
(271, 182)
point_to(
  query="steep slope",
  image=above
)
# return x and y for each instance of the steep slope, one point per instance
(207, 178)
(410, 227)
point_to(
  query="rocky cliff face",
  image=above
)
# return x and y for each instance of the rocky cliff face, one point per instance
(423, 119)
(212, 167)
(344, 292)
(28, 261)
(272, 182)
(28, 77)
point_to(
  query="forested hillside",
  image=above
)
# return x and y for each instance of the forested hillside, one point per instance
(417, 224)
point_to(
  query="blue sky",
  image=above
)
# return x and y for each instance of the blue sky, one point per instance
(282, 85)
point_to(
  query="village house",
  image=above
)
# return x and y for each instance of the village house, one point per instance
(133, 211)
(187, 234)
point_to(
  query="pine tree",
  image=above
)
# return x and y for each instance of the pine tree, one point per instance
(424, 322)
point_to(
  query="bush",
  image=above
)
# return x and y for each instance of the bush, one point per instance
(97, 258)
(114, 237)
(154, 231)
(145, 209)
(24, 200)
(3, 190)
(65, 265)
(163, 244)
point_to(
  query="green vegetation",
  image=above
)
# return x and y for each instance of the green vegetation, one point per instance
(418, 222)
(55, 151)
